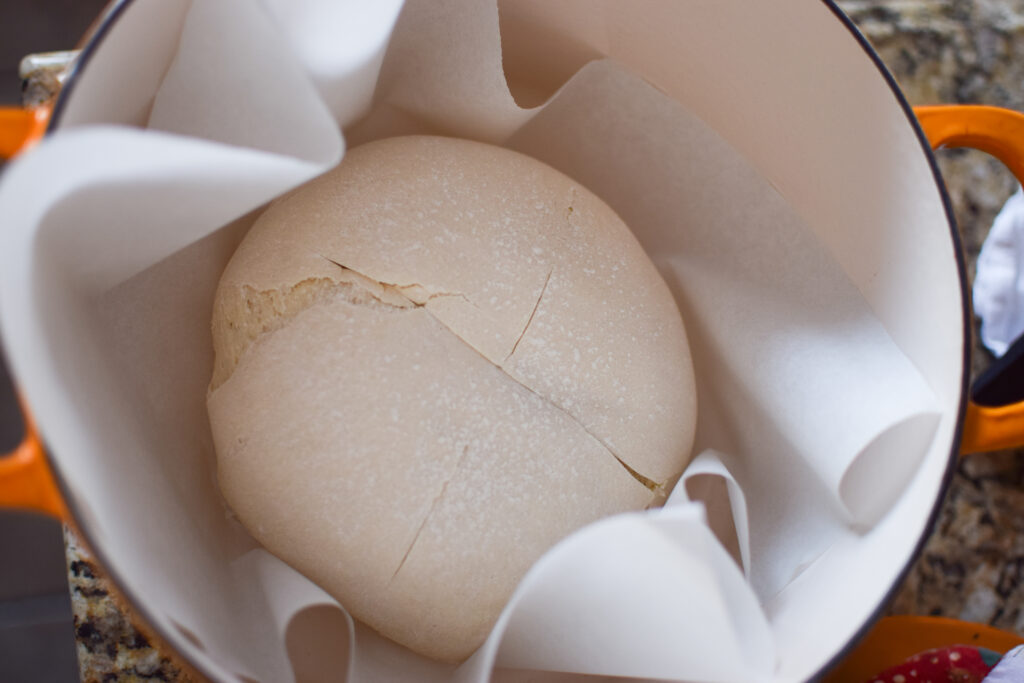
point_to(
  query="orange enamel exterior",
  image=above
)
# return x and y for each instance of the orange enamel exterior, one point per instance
(896, 639)
(26, 481)
(1000, 132)
(992, 428)
(20, 129)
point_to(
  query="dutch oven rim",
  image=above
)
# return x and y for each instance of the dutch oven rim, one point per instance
(115, 11)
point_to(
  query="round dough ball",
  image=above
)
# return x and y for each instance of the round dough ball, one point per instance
(433, 363)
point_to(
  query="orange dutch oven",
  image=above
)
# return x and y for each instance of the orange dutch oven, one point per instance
(30, 481)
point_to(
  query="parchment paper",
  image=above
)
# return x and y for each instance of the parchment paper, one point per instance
(124, 225)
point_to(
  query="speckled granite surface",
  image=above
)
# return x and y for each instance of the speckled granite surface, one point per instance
(110, 647)
(941, 51)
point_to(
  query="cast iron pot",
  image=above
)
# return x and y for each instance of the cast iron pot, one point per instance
(829, 104)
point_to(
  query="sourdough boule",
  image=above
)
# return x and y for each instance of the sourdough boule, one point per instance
(433, 363)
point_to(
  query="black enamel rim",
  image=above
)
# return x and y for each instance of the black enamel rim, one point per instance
(116, 10)
(100, 30)
(965, 378)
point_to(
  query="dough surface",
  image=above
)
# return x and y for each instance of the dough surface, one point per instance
(433, 363)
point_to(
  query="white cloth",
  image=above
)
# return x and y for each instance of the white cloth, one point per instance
(1010, 668)
(999, 282)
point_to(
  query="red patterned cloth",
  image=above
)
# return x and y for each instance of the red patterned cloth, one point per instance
(953, 664)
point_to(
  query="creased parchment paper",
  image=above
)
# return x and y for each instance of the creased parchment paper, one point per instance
(121, 223)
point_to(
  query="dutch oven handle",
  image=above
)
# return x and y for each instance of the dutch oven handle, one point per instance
(25, 478)
(20, 128)
(989, 425)
(26, 481)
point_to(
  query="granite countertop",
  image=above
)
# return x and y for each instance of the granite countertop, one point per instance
(941, 51)
(111, 648)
